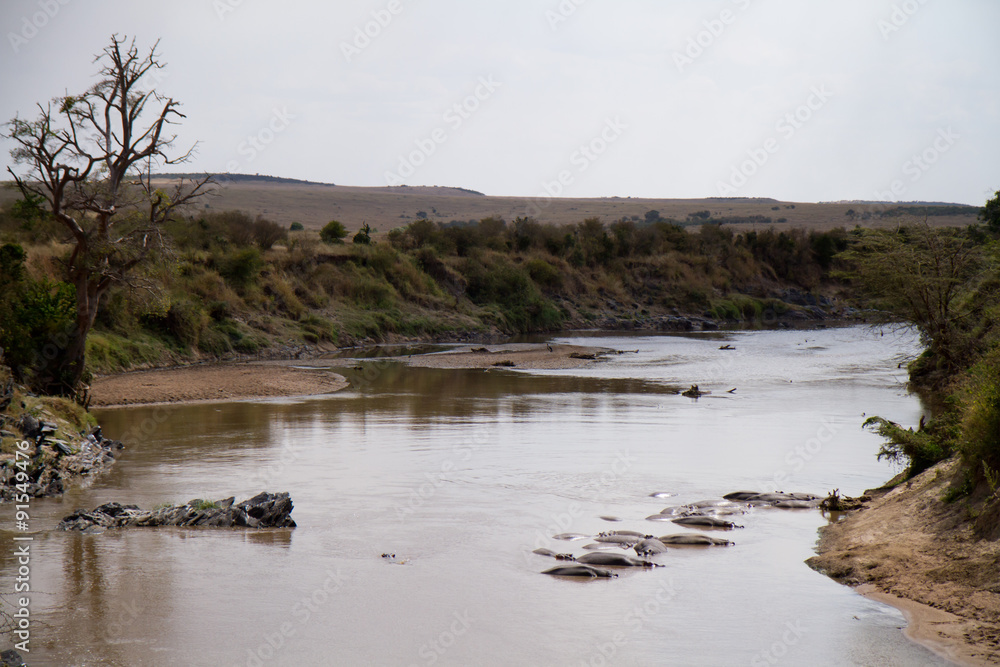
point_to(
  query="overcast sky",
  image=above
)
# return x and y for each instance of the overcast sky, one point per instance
(802, 100)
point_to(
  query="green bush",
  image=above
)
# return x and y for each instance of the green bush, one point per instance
(333, 233)
(296, 227)
(241, 268)
(919, 449)
(364, 235)
(267, 232)
(543, 273)
(510, 289)
(33, 314)
(980, 442)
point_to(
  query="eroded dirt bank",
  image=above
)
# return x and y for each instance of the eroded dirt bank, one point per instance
(911, 549)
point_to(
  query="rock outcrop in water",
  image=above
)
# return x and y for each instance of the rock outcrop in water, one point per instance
(265, 510)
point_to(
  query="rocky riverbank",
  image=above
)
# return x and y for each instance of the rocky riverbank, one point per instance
(910, 548)
(48, 444)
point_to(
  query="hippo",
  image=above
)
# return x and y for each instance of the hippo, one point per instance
(553, 554)
(628, 540)
(701, 504)
(662, 494)
(613, 519)
(613, 560)
(741, 495)
(604, 546)
(626, 533)
(796, 504)
(706, 522)
(777, 497)
(650, 546)
(570, 536)
(681, 510)
(755, 497)
(658, 517)
(693, 540)
(714, 511)
(579, 571)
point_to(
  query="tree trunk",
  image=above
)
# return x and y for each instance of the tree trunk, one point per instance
(64, 356)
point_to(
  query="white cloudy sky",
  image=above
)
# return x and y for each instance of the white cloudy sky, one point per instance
(677, 129)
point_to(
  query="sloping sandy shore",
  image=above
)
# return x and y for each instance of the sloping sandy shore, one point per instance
(910, 549)
(218, 382)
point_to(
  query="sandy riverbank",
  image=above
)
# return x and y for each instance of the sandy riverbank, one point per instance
(217, 382)
(911, 550)
(531, 356)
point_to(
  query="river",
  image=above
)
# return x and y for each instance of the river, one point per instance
(460, 475)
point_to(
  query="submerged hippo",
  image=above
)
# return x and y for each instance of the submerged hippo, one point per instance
(579, 571)
(553, 554)
(570, 536)
(678, 510)
(627, 540)
(693, 540)
(714, 511)
(757, 497)
(741, 495)
(627, 533)
(650, 546)
(706, 522)
(796, 504)
(712, 503)
(605, 546)
(659, 517)
(613, 560)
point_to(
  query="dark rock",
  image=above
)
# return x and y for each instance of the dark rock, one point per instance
(265, 510)
(694, 392)
(63, 447)
(11, 658)
(6, 394)
(29, 426)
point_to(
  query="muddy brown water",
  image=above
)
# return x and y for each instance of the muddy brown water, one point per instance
(460, 474)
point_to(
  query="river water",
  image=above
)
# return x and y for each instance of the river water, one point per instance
(460, 474)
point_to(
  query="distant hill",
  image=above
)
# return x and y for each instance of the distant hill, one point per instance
(288, 200)
(237, 178)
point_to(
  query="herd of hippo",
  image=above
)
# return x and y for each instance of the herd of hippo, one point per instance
(604, 550)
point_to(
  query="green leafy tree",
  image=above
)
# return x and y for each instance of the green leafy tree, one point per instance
(927, 277)
(334, 232)
(90, 158)
(34, 315)
(990, 214)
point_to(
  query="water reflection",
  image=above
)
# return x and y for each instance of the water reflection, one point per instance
(460, 473)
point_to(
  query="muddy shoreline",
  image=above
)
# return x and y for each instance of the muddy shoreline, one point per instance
(220, 382)
(212, 383)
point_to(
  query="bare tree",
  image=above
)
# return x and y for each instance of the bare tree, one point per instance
(90, 157)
